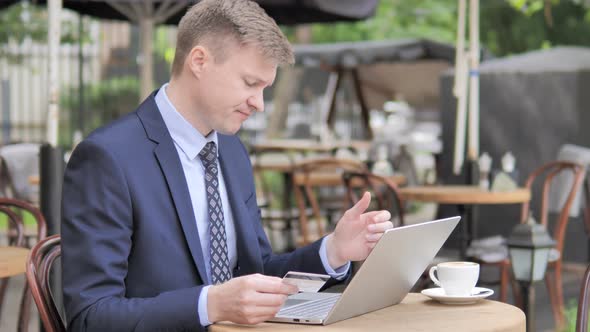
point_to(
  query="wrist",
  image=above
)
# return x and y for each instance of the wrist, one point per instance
(335, 259)
(212, 305)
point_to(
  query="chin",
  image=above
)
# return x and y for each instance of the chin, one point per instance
(229, 131)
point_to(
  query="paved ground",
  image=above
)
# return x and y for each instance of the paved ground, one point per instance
(544, 318)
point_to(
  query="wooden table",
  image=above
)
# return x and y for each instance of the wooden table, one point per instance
(12, 261)
(285, 167)
(465, 197)
(34, 180)
(306, 145)
(415, 313)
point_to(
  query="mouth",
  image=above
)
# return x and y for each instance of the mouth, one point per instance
(244, 114)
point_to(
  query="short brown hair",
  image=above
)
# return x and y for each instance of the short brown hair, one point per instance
(211, 22)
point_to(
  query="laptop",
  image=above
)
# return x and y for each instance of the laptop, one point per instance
(385, 278)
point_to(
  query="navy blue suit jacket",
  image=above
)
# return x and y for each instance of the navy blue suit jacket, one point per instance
(132, 258)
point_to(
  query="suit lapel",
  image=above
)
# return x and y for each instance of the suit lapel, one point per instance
(167, 157)
(249, 257)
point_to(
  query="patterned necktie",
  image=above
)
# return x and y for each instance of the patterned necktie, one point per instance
(218, 243)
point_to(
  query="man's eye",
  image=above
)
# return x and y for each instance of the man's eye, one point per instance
(250, 84)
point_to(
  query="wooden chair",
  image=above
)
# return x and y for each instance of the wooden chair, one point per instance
(22, 206)
(553, 277)
(583, 303)
(385, 194)
(544, 176)
(265, 162)
(39, 266)
(310, 178)
(16, 225)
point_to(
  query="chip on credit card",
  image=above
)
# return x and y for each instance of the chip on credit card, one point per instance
(306, 282)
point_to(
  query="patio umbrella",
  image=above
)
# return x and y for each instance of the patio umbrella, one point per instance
(149, 13)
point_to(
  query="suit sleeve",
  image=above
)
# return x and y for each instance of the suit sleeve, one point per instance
(97, 233)
(305, 259)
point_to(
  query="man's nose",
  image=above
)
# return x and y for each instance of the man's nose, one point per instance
(256, 102)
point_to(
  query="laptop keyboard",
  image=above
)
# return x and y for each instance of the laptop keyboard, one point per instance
(312, 309)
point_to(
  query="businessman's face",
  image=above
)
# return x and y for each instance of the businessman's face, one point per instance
(231, 90)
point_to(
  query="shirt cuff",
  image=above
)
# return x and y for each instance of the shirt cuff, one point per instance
(202, 307)
(339, 273)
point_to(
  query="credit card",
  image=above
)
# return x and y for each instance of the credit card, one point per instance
(306, 282)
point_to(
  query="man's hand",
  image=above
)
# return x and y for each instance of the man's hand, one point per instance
(250, 299)
(356, 233)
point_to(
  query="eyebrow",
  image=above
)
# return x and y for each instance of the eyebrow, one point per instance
(257, 80)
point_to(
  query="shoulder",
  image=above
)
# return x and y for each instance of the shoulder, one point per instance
(129, 132)
(232, 144)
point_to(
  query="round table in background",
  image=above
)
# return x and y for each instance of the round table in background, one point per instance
(466, 198)
(13, 261)
(415, 313)
(450, 194)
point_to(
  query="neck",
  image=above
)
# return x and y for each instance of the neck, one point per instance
(185, 103)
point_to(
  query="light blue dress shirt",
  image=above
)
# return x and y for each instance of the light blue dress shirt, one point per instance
(189, 142)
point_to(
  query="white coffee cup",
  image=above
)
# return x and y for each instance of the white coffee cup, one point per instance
(456, 278)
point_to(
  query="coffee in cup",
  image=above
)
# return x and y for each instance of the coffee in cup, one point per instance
(456, 278)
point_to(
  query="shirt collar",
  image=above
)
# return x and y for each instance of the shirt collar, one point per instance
(187, 137)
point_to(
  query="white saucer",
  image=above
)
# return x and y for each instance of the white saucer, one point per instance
(439, 295)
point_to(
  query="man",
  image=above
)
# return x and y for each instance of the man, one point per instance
(160, 229)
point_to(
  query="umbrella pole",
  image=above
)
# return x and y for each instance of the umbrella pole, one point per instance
(146, 25)
(460, 90)
(51, 155)
(473, 147)
(53, 38)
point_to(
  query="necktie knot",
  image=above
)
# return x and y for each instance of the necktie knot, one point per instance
(208, 154)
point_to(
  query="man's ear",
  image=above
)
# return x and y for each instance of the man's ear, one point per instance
(197, 59)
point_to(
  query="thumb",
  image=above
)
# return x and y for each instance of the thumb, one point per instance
(362, 205)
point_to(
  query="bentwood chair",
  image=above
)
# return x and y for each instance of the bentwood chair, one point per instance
(39, 265)
(385, 193)
(583, 303)
(274, 164)
(543, 178)
(319, 183)
(15, 225)
(21, 207)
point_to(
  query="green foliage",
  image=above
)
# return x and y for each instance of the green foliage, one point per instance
(163, 46)
(571, 314)
(22, 21)
(434, 19)
(104, 101)
(506, 27)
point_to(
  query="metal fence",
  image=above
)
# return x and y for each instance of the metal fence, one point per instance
(23, 77)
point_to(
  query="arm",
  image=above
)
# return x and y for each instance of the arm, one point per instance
(97, 232)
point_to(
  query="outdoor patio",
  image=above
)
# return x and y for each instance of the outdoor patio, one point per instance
(544, 319)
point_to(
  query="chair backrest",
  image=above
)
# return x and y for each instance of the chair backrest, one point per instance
(35, 212)
(311, 176)
(269, 159)
(16, 223)
(582, 318)
(544, 175)
(384, 191)
(39, 266)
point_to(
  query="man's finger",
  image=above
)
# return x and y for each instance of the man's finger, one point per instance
(268, 299)
(380, 227)
(362, 205)
(373, 217)
(273, 285)
(373, 237)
